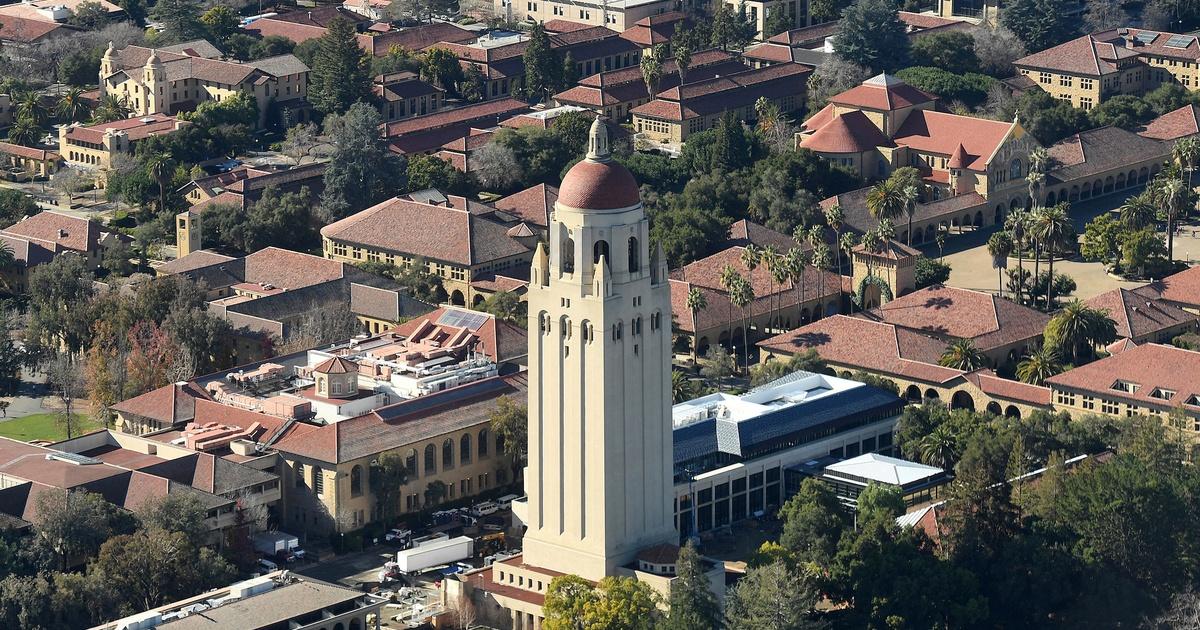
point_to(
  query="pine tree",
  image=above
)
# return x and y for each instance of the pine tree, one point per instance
(1039, 23)
(730, 151)
(542, 71)
(340, 75)
(692, 604)
(872, 35)
(362, 170)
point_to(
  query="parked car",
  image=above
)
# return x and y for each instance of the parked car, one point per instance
(484, 509)
(267, 566)
(398, 535)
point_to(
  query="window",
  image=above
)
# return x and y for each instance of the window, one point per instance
(1044, 77)
(1108, 406)
(1014, 169)
(568, 256)
(410, 462)
(447, 454)
(430, 460)
(318, 481)
(299, 472)
(483, 443)
(464, 450)
(1065, 398)
(634, 255)
(601, 249)
(1162, 394)
(1086, 84)
(1125, 386)
(356, 481)
(1089, 402)
(1085, 103)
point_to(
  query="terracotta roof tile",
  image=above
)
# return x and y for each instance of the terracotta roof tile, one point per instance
(18, 150)
(745, 232)
(1180, 288)
(1137, 316)
(286, 269)
(997, 387)
(169, 404)
(23, 30)
(534, 204)
(415, 38)
(1097, 151)
(595, 185)
(883, 92)
(656, 29)
(1173, 125)
(963, 314)
(942, 133)
(1150, 367)
(55, 231)
(851, 132)
(701, 98)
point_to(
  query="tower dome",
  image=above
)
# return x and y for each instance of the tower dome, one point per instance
(598, 182)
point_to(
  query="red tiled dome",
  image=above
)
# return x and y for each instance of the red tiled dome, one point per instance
(596, 185)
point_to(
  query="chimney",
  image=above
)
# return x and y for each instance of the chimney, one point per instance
(62, 233)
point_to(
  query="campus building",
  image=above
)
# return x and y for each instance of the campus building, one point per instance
(177, 78)
(96, 146)
(327, 415)
(50, 233)
(1091, 69)
(813, 45)
(617, 15)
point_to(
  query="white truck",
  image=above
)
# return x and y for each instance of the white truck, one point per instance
(435, 552)
(276, 544)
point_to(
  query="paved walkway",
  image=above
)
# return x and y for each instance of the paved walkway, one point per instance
(971, 265)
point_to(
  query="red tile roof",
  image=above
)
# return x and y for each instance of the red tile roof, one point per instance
(31, 153)
(137, 128)
(194, 260)
(499, 340)
(1137, 316)
(555, 27)
(414, 38)
(534, 204)
(656, 29)
(296, 31)
(997, 387)
(56, 231)
(723, 93)
(595, 185)
(942, 133)
(169, 404)
(462, 237)
(1097, 54)
(1172, 372)
(745, 232)
(851, 132)
(286, 269)
(883, 92)
(964, 314)
(1173, 125)
(26, 31)
(422, 133)
(1180, 288)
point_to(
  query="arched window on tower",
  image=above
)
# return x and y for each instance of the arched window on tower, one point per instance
(1014, 169)
(568, 256)
(601, 249)
(635, 255)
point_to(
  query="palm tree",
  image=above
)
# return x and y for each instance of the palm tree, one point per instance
(8, 261)
(1186, 153)
(1138, 212)
(24, 132)
(681, 389)
(1172, 193)
(1052, 228)
(834, 217)
(1000, 246)
(29, 105)
(112, 108)
(820, 262)
(940, 239)
(729, 277)
(886, 200)
(871, 242)
(771, 260)
(652, 69)
(797, 260)
(160, 166)
(939, 447)
(962, 355)
(1014, 224)
(1039, 366)
(742, 296)
(1079, 325)
(695, 302)
(72, 108)
(750, 257)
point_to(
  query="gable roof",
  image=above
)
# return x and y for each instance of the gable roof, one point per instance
(287, 269)
(1101, 150)
(462, 237)
(943, 133)
(882, 92)
(532, 205)
(1137, 315)
(746, 232)
(169, 404)
(1151, 367)
(1101, 53)
(57, 231)
(1173, 125)
(851, 132)
(950, 312)
(1180, 288)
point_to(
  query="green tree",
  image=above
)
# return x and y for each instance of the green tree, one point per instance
(71, 106)
(741, 295)
(939, 447)
(441, 67)
(110, 108)
(616, 602)
(1102, 239)
(1035, 368)
(999, 246)
(176, 512)
(180, 19)
(953, 52)
(542, 70)
(1172, 194)
(220, 22)
(691, 603)
(823, 11)
(1079, 326)
(362, 171)
(885, 200)
(1143, 252)
(772, 597)
(1122, 110)
(879, 500)
(963, 355)
(388, 478)
(723, 26)
(505, 306)
(472, 87)
(1053, 230)
(871, 35)
(1136, 213)
(76, 523)
(696, 302)
(135, 10)
(59, 294)
(340, 75)
(510, 421)
(568, 598)
(24, 131)
(427, 171)
(150, 568)
(813, 521)
(1040, 24)
(651, 66)
(718, 365)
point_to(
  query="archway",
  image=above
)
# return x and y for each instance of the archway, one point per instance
(930, 233)
(1131, 179)
(918, 236)
(1120, 181)
(1087, 191)
(931, 394)
(1074, 194)
(1154, 170)
(1097, 188)
(723, 339)
(1014, 204)
(999, 216)
(833, 308)
(1143, 175)
(994, 408)
(457, 299)
(702, 347)
(904, 236)
(966, 221)
(912, 394)
(355, 624)
(477, 300)
(979, 219)
(804, 315)
(845, 374)
(962, 400)
(1012, 412)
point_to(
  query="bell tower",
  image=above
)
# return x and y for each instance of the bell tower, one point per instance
(600, 472)
(154, 77)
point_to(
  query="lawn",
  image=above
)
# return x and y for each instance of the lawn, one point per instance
(42, 426)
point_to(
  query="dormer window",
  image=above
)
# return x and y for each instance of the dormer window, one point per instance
(1125, 386)
(1192, 401)
(1162, 394)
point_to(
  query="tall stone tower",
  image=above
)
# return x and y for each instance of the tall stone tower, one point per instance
(599, 478)
(158, 94)
(108, 66)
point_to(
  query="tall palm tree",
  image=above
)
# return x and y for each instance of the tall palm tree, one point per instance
(29, 105)
(742, 296)
(1039, 366)
(161, 166)
(24, 132)
(651, 66)
(820, 262)
(1014, 224)
(962, 355)
(696, 302)
(729, 277)
(871, 242)
(1000, 246)
(846, 242)
(834, 218)
(1078, 325)
(8, 261)
(771, 260)
(1186, 154)
(112, 108)
(681, 389)
(71, 107)
(886, 200)
(1173, 195)
(939, 447)
(797, 260)
(1138, 212)
(1052, 228)
(751, 255)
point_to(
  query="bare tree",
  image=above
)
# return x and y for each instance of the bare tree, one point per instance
(70, 182)
(495, 167)
(303, 141)
(464, 612)
(319, 327)
(183, 367)
(834, 76)
(1184, 612)
(66, 380)
(997, 47)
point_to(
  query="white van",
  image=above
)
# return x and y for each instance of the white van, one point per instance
(485, 508)
(505, 502)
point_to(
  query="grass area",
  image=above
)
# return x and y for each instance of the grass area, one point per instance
(43, 426)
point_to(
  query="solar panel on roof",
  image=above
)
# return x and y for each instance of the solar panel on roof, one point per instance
(1146, 38)
(463, 319)
(1180, 41)
(73, 458)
